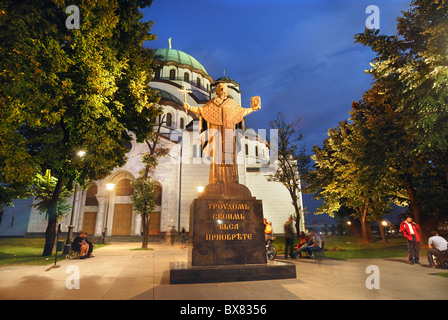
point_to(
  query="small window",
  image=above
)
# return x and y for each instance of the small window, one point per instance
(256, 151)
(186, 77)
(172, 74)
(169, 120)
(198, 81)
(246, 149)
(181, 123)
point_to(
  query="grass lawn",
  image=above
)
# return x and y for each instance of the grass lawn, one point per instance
(26, 251)
(345, 247)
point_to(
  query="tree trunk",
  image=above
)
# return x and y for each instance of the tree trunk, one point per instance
(298, 217)
(383, 234)
(146, 219)
(50, 233)
(364, 237)
(414, 206)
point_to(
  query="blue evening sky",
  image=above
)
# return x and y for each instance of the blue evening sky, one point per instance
(298, 55)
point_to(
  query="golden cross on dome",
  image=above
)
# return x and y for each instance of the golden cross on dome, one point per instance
(184, 90)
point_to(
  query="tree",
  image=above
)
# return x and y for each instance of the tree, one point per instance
(292, 163)
(144, 195)
(349, 173)
(66, 89)
(411, 67)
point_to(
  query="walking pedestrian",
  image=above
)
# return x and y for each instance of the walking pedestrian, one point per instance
(289, 237)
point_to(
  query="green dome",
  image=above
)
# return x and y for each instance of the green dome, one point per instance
(177, 56)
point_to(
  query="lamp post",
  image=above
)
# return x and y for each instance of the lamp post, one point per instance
(109, 187)
(81, 154)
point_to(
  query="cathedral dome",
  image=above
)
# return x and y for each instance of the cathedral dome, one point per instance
(177, 57)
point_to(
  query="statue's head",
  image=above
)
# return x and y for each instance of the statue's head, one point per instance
(222, 90)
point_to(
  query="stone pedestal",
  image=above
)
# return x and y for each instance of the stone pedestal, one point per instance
(227, 241)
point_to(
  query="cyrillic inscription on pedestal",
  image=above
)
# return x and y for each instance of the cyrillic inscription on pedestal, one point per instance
(226, 232)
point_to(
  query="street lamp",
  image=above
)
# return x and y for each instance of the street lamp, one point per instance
(109, 187)
(200, 189)
(81, 154)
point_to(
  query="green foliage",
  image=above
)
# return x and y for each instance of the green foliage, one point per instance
(63, 90)
(392, 150)
(43, 188)
(144, 196)
(413, 67)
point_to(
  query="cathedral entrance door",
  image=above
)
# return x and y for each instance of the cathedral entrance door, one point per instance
(89, 222)
(122, 220)
(154, 224)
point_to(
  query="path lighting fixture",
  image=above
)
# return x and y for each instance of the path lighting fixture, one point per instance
(81, 154)
(109, 187)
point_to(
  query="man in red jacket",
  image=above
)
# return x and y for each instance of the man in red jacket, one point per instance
(410, 230)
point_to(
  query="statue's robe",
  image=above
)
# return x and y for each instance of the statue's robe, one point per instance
(222, 116)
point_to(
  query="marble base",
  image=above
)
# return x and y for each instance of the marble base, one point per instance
(181, 273)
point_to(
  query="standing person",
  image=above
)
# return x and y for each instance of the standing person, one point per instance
(268, 230)
(437, 246)
(289, 237)
(410, 230)
(172, 235)
(184, 235)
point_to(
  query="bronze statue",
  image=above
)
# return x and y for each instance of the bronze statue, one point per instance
(222, 114)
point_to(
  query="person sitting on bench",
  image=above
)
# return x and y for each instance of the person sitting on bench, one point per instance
(82, 245)
(437, 246)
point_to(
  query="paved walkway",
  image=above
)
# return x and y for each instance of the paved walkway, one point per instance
(117, 272)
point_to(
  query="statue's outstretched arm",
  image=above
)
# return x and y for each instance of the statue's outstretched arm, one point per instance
(195, 110)
(255, 105)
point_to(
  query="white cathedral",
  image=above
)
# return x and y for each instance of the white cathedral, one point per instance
(179, 182)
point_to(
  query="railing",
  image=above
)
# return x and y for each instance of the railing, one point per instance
(193, 83)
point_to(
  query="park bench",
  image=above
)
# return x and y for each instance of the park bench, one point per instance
(442, 261)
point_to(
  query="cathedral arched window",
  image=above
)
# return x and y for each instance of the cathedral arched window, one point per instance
(158, 192)
(256, 151)
(181, 123)
(198, 81)
(186, 77)
(172, 74)
(169, 119)
(91, 196)
(124, 188)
